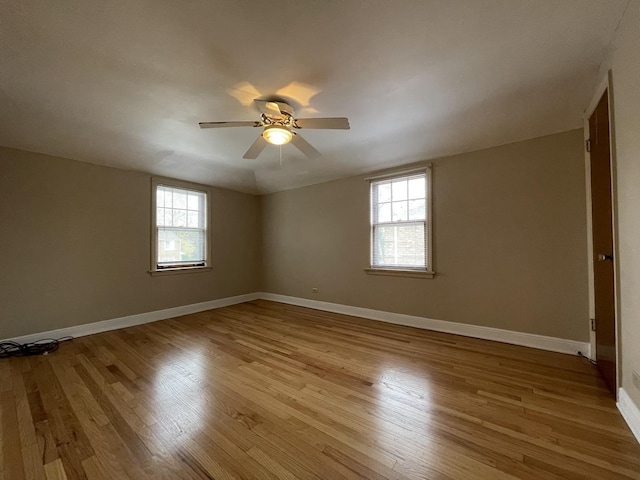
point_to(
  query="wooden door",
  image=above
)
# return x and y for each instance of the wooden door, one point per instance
(602, 225)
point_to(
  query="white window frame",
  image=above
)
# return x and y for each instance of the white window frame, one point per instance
(169, 270)
(428, 271)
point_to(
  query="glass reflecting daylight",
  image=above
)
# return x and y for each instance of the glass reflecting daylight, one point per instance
(399, 189)
(400, 245)
(399, 222)
(181, 224)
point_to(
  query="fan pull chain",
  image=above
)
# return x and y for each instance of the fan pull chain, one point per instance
(280, 156)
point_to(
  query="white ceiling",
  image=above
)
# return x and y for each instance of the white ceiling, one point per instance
(125, 83)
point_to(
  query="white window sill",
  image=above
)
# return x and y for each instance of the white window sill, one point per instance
(178, 271)
(396, 272)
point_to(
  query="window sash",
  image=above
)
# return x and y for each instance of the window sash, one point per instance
(379, 258)
(191, 211)
(412, 257)
(201, 247)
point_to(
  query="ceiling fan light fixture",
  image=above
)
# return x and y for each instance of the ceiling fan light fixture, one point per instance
(277, 135)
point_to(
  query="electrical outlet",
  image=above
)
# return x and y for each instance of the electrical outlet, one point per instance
(636, 379)
(314, 290)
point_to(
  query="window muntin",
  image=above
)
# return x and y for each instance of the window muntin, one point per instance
(180, 227)
(399, 222)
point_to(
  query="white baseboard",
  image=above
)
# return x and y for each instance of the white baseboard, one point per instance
(131, 320)
(486, 333)
(630, 412)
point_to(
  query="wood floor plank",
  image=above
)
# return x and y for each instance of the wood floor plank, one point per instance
(95, 470)
(11, 451)
(33, 468)
(55, 470)
(268, 390)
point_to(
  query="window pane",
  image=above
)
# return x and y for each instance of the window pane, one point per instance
(384, 192)
(179, 200)
(417, 188)
(193, 203)
(399, 188)
(384, 212)
(160, 198)
(399, 211)
(179, 218)
(399, 245)
(168, 198)
(193, 219)
(160, 217)
(417, 209)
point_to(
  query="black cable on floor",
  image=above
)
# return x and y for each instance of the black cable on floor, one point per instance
(39, 347)
(584, 356)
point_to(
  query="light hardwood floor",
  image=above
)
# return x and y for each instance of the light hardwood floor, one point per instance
(266, 390)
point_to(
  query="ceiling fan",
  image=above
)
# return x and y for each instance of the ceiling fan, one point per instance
(280, 127)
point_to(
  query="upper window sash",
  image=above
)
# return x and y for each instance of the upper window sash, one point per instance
(393, 206)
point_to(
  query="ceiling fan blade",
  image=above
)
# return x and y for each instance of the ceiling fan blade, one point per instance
(229, 124)
(255, 149)
(336, 123)
(269, 108)
(304, 146)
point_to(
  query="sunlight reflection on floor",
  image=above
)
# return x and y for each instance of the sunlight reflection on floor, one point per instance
(179, 387)
(407, 435)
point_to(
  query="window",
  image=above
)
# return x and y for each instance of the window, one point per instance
(401, 224)
(180, 239)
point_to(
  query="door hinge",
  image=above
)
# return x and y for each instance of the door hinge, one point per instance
(587, 144)
(593, 324)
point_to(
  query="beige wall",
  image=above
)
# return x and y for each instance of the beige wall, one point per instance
(509, 247)
(624, 62)
(509, 242)
(75, 245)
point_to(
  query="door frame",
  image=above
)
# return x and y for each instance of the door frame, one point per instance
(606, 84)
